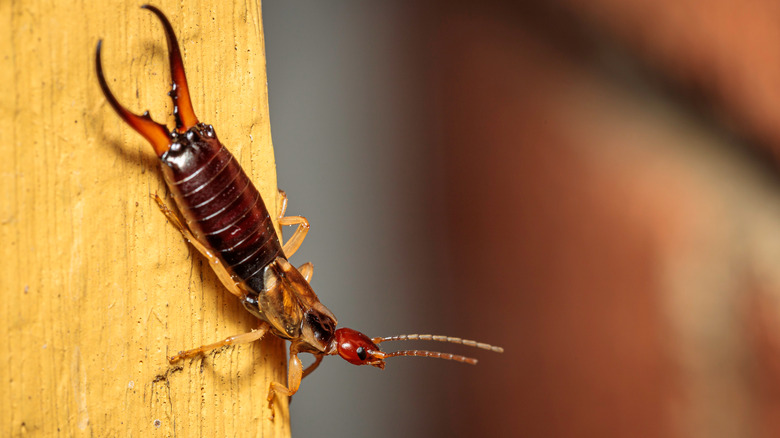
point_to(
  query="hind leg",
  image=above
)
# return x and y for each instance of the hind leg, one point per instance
(214, 261)
(292, 245)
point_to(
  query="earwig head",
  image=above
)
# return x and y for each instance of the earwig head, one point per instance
(156, 133)
(358, 349)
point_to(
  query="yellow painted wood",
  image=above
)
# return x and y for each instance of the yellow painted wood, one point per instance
(96, 287)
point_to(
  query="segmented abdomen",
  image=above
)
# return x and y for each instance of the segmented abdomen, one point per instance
(220, 204)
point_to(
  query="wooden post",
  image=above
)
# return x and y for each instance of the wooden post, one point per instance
(97, 288)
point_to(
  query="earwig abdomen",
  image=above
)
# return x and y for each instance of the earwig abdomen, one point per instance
(220, 204)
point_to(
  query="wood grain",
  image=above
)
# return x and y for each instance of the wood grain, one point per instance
(96, 287)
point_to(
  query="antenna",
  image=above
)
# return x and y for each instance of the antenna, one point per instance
(436, 354)
(439, 338)
(433, 354)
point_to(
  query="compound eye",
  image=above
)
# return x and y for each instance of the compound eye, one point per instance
(361, 352)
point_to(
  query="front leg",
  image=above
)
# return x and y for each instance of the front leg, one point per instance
(312, 367)
(294, 376)
(233, 340)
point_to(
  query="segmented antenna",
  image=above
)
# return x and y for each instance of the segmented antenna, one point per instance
(433, 354)
(438, 338)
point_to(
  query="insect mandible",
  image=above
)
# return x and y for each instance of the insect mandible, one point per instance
(227, 221)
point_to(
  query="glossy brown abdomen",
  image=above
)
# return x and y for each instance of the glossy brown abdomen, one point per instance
(222, 207)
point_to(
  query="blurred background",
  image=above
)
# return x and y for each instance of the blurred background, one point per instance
(592, 185)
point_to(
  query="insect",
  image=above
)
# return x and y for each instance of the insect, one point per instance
(227, 221)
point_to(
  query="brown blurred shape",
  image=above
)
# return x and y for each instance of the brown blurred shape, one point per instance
(601, 218)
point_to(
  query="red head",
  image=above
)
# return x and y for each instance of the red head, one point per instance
(358, 349)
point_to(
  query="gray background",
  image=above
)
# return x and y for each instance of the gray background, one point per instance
(351, 156)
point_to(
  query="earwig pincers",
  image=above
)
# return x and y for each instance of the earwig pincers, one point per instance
(227, 221)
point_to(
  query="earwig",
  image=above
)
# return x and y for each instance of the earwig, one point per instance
(227, 221)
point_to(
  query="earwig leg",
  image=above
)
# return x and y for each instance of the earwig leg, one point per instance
(170, 215)
(283, 202)
(307, 270)
(312, 367)
(294, 375)
(214, 261)
(243, 338)
(292, 245)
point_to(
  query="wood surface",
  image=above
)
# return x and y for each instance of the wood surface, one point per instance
(97, 288)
